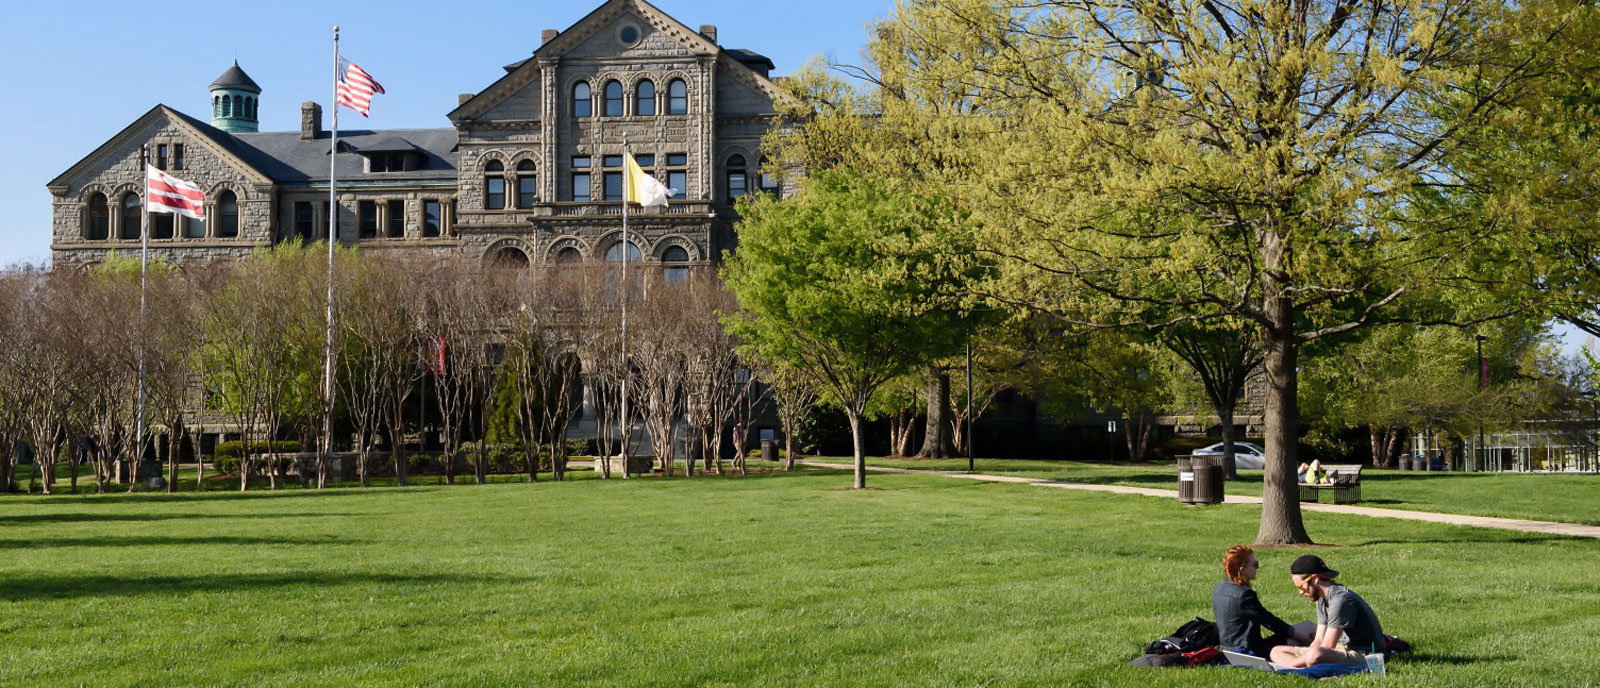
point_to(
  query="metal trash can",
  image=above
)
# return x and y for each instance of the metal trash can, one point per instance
(1185, 480)
(1208, 475)
(769, 450)
(1421, 462)
(1403, 463)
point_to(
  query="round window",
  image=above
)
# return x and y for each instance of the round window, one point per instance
(628, 34)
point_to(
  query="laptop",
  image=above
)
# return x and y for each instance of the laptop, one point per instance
(1239, 659)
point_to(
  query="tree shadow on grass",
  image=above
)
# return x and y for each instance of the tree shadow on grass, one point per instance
(57, 587)
(1488, 538)
(220, 495)
(80, 517)
(159, 540)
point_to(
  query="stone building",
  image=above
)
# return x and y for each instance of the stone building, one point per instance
(530, 172)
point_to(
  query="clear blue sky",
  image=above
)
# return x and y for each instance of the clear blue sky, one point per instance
(77, 73)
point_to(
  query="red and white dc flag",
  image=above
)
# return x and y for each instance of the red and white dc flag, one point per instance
(165, 193)
(356, 87)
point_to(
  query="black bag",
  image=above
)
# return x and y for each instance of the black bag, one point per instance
(1189, 637)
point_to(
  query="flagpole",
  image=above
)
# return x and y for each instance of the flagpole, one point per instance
(333, 223)
(623, 283)
(144, 269)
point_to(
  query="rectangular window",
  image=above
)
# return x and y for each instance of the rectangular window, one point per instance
(397, 219)
(161, 156)
(613, 186)
(580, 162)
(177, 156)
(527, 190)
(677, 182)
(161, 225)
(194, 229)
(368, 212)
(580, 186)
(645, 160)
(677, 159)
(336, 217)
(611, 161)
(304, 221)
(494, 193)
(431, 222)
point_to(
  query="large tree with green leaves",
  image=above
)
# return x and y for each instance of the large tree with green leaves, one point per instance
(855, 281)
(1285, 166)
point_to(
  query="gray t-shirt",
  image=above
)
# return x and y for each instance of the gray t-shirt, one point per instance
(1344, 609)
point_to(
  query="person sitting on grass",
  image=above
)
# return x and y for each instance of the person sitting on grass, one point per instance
(1347, 628)
(1239, 613)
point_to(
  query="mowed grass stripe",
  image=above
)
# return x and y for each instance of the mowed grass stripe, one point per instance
(761, 580)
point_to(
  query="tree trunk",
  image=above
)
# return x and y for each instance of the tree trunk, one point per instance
(788, 449)
(855, 436)
(1397, 437)
(1280, 508)
(936, 440)
(1230, 461)
(397, 453)
(172, 458)
(199, 461)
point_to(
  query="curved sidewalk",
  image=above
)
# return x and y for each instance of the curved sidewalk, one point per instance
(1546, 527)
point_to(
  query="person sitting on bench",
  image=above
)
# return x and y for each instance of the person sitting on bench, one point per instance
(1347, 628)
(1239, 613)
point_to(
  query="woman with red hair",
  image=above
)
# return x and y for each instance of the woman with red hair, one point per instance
(1240, 616)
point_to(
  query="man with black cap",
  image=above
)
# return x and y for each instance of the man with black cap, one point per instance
(1347, 628)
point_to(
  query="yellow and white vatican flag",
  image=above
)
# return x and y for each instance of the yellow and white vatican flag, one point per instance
(643, 188)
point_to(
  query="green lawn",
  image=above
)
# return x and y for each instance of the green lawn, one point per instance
(771, 580)
(1569, 498)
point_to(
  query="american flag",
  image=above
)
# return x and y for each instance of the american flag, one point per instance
(356, 87)
(165, 193)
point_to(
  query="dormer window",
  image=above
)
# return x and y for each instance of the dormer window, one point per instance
(390, 162)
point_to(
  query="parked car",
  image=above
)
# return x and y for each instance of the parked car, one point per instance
(1245, 454)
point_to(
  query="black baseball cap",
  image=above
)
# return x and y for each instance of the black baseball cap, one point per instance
(1309, 564)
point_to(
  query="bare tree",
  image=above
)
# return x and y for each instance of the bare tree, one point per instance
(719, 382)
(661, 363)
(795, 394)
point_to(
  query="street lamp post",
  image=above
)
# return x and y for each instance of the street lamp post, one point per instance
(1483, 384)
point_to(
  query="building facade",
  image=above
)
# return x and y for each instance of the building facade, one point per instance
(528, 173)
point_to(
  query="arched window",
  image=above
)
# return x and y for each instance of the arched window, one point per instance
(227, 106)
(508, 258)
(97, 226)
(569, 256)
(613, 99)
(227, 214)
(614, 254)
(250, 107)
(130, 217)
(674, 271)
(738, 178)
(768, 181)
(677, 98)
(216, 106)
(582, 102)
(527, 185)
(644, 99)
(494, 185)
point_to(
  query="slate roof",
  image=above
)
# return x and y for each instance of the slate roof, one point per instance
(752, 59)
(236, 78)
(289, 159)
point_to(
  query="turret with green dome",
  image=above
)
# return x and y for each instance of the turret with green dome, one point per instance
(234, 99)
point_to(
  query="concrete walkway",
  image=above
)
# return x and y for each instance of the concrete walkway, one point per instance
(1546, 527)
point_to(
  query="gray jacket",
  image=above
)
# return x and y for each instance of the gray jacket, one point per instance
(1240, 618)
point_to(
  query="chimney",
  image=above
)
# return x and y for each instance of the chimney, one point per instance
(310, 120)
(709, 31)
(548, 35)
(463, 98)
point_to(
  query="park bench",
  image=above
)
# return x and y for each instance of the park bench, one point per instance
(1341, 485)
